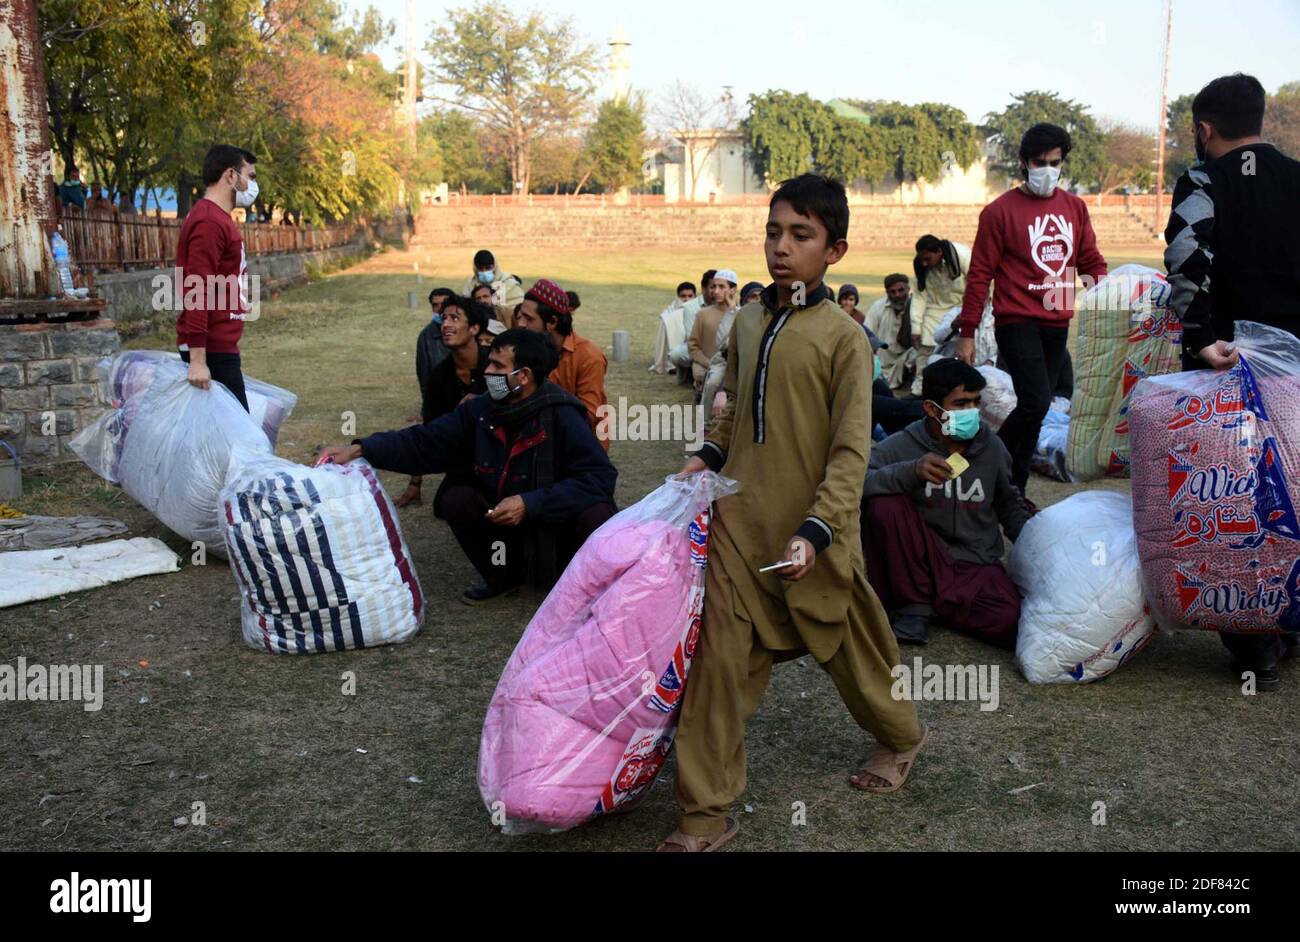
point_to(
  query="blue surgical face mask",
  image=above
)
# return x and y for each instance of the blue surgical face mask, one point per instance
(959, 424)
(437, 318)
(486, 276)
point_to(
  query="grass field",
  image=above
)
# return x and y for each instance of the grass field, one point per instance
(272, 748)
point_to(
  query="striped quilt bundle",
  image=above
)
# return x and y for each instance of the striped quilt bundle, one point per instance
(1127, 332)
(319, 558)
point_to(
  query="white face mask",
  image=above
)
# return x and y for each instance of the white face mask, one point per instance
(1042, 180)
(246, 198)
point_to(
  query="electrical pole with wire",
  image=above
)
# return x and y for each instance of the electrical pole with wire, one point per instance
(1164, 114)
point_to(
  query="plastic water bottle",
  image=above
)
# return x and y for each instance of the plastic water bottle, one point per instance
(62, 261)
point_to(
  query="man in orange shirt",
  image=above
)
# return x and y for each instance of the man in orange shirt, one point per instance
(548, 308)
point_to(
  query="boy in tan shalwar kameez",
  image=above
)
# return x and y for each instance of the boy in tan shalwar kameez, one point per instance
(795, 435)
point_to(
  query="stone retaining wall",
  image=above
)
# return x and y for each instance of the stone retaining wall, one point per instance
(48, 390)
(870, 227)
(130, 294)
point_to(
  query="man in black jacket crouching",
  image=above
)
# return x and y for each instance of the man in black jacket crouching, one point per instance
(542, 483)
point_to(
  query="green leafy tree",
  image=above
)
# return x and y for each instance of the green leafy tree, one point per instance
(459, 136)
(923, 141)
(788, 134)
(142, 90)
(561, 164)
(1180, 140)
(127, 82)
(426, 170)
(524, 77)
(856, 152)
(1085, 163)
(615, 143)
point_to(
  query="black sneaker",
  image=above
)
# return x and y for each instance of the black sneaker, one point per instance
(481, 592)
(911, 629)
(1029, 504)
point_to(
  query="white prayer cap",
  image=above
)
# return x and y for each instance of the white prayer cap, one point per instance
(726, 274)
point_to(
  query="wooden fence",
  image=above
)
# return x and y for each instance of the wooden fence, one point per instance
(107, 240)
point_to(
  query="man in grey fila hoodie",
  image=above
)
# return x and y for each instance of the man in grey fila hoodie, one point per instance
(931, 539)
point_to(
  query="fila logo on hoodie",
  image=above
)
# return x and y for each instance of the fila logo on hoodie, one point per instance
(974, 494)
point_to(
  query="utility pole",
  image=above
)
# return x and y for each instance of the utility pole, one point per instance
(411, 93)
(1164, 114)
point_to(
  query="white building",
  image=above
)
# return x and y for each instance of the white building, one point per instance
(704, 167)
(714, 166)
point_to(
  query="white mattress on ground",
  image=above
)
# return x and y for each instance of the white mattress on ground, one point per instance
(29, 575)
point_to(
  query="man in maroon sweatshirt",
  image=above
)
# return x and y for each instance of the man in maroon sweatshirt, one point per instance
(213, 272)
(1032, 242)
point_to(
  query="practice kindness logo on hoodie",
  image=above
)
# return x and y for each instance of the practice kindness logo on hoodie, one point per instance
(1051, 243)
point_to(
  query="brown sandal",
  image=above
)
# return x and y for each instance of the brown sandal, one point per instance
(679, 842)
(889, 766)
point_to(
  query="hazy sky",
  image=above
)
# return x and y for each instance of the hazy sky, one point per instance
(974, 55)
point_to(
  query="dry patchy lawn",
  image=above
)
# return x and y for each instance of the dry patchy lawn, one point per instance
(270, 744)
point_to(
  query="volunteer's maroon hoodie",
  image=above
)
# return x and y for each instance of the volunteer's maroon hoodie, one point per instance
(1031, 248)
(210, 245)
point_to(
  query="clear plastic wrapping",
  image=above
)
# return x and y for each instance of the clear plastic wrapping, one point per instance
(1083, 613)
(945, 337)
(168, 444)
(1216, 468)
(586, 709)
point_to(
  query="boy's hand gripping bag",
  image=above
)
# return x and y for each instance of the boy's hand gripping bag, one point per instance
(1083, 613)
(586, 709)
(318, 556)
(1216, 475)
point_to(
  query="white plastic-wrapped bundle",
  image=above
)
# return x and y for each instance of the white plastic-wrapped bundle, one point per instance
(168, 444)
(945, 337)
(1083, 613)
(997, 398)
(318, 556)
(127, 379)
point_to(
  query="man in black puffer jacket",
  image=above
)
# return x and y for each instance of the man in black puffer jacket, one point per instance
(542, 483)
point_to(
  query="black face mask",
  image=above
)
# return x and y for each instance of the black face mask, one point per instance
(1200, 146)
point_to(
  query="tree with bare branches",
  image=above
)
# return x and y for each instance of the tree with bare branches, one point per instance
(692, 116)
(524, 77)
(1127, 157)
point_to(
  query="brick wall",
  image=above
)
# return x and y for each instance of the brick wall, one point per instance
(870, 226)
(47, 372)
